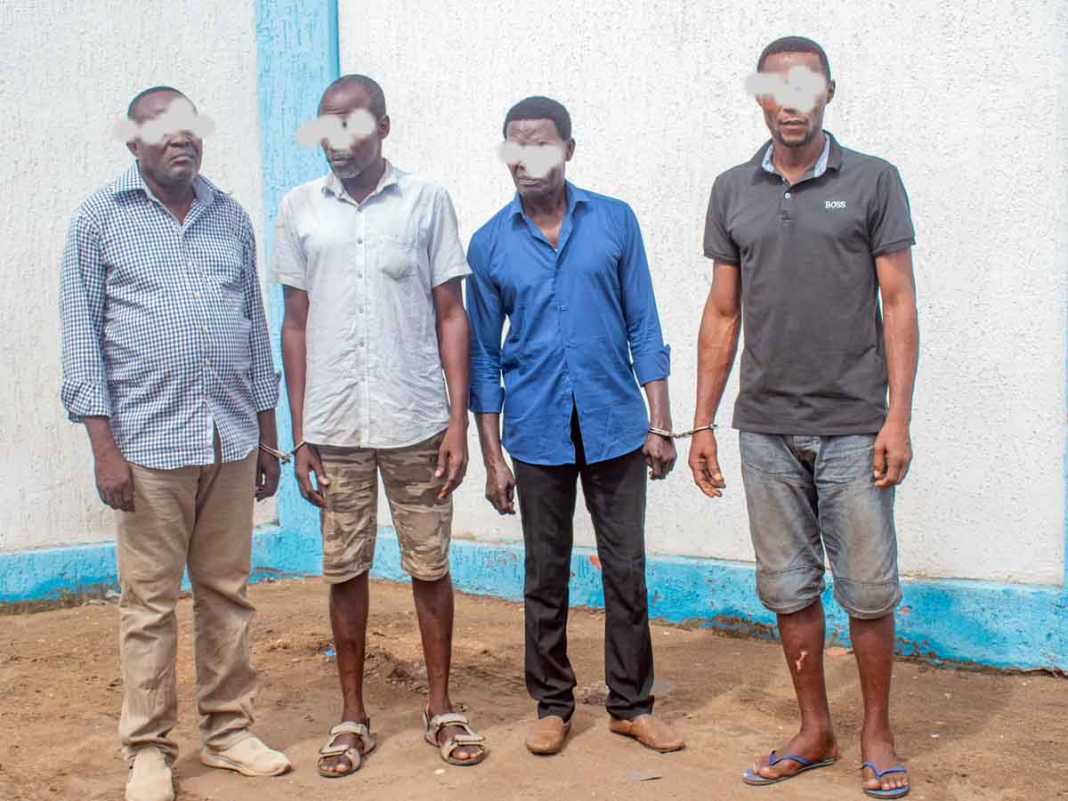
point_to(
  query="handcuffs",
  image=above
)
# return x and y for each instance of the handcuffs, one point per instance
(672, 435)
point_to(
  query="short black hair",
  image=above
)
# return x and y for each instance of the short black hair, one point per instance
(145, 93)
(795, 44)
(540, 108)
(370, 85)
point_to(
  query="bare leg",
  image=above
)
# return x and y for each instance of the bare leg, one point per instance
(434, 608)
(873, 644)
(348, 620)
(802, 641)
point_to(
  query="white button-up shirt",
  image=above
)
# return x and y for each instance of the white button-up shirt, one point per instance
(374, 376)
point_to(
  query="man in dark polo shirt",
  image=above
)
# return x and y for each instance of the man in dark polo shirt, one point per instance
(805, 237)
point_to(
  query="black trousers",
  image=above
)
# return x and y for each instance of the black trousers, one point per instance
(615, 492)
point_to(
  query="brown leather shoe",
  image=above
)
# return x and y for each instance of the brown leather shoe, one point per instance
(547, 735)
(649, 731)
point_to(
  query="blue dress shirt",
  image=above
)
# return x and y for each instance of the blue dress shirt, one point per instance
(578, 314)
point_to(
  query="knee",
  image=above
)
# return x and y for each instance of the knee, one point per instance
(867, 600)
(788, 591)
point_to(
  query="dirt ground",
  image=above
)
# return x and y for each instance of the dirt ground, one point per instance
(965, 735)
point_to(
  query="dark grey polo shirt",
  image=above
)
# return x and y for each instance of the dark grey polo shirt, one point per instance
(814, 358)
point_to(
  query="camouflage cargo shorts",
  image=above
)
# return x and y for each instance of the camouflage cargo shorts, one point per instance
(350, 520)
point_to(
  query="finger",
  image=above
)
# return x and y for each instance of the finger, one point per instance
(706, 481)
(303, 482)
(905, 470)
(715, 475)
(895, 470)
(443, 460)
(700, 477)
(452, 480)
(128, 495)
(878, 458)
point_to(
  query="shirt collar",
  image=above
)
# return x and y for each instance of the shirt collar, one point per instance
(133, 181)
(390, 177)
(830, 158)
(573, 193)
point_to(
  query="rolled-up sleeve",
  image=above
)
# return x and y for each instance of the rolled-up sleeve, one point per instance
(652, 358)
(487, 323)
(264, 378)
(84, 391)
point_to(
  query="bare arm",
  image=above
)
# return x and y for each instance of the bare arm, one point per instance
(114, 479)
(500, 483)
(294, 358)
(717, 344)
(454, 344)
(897, 286)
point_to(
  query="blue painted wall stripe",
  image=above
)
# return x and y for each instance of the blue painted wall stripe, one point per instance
(297, 57)
(1002, 625)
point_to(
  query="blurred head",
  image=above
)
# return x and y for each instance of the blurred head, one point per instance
(537, 144)
(166, 134)
(358, 104)
(793, 87)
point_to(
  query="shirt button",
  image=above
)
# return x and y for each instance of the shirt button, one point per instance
(196, 296)
(570, 343)
(787, 196)
(359, 240)
(563, 307)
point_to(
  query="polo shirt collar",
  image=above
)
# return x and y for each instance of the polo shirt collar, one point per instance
(573, 193)
(830, 158)
(133, 181)
(390, 177)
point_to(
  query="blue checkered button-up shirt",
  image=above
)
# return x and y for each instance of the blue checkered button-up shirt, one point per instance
(163, 325)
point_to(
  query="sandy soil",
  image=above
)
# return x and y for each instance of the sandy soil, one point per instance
(965, 735)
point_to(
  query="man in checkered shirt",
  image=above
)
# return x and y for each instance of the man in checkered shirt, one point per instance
(166, 360)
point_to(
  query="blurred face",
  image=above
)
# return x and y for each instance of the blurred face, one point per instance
(355, 151)
(793, 93)
(535, 155)
(167, 146)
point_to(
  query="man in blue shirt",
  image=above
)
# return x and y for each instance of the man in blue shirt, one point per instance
(567, 268)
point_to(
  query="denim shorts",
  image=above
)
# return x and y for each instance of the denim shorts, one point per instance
(806, 494)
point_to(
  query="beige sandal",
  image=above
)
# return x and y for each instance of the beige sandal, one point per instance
(434, 725)
(351, 753)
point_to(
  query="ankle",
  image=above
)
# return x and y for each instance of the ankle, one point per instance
(877, 732)
(439, 706)
(356, 715)
(819, 731)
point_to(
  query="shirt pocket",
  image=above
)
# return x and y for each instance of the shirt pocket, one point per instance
(398, 256)
(222, 263)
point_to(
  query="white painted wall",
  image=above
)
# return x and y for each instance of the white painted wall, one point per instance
(968, 100)
(68, 68)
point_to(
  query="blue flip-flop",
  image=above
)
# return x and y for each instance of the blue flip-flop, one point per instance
(755, 779)
(900, 792)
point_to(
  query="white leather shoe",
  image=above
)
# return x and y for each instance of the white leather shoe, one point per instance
(150, 777)
(250, 757)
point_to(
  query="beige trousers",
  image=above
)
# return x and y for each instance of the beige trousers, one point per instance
(200, 517)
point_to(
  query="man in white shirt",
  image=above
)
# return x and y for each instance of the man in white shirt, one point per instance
(372, 266)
